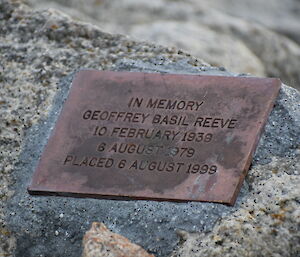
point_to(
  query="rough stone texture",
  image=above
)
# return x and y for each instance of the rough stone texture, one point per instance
(38, 49)
(100, 242)
(267, 224)
(238, 35)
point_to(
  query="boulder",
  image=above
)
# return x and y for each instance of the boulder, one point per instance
(245, 37)
(217, 49)
(279, 16)
(40, 52)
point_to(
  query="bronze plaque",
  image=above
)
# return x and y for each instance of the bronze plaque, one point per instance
(155, 136)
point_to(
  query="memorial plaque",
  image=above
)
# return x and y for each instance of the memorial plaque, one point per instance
(155, 136)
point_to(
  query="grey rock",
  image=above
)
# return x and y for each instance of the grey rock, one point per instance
(38, 49)
(279, 54)
(280, 16)
(150, 224)
(282, 132)
(238, 35)
(42, 48)
(217, 49)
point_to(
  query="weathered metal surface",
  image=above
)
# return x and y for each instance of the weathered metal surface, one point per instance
(155, 136)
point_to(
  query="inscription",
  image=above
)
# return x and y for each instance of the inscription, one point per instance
(137, 117)
(210, 122)
(157, 151)
(140, 165)
(141, 133)
(167, 104)
(146, 134)
(115, 116)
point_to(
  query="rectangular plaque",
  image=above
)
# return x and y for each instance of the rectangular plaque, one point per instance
(155, 136)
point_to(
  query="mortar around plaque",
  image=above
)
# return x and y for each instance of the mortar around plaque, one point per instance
(155, 136)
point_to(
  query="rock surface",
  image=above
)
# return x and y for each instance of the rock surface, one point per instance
(100, 242)
(254, 37)
(203, 42)
(38, 52)
(280, 16)
(267, 224)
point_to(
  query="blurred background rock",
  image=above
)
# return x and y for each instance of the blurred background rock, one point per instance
(257, 37)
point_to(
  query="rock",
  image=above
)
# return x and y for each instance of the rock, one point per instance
(40, 51)
(217, 49)
(279, 54)
(100, 242)
(280, 16)
(267, 222)
(235, 35)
